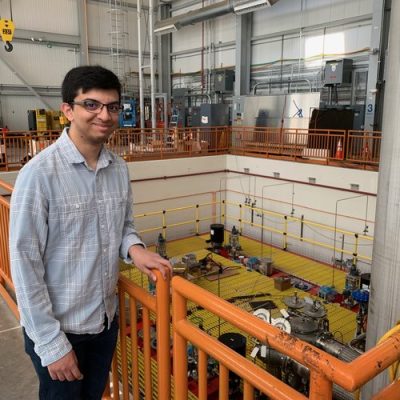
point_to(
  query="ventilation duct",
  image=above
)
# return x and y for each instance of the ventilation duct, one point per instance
(209, 12)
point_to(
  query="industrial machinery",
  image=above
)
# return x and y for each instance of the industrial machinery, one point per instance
(127, 116)
(307, 320)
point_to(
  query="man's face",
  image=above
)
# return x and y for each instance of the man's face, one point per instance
(92, 127)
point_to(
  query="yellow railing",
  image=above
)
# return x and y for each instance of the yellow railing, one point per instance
(334, 147)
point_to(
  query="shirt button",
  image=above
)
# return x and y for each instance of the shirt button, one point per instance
(102, 226)
(76, 205)
(104, 250)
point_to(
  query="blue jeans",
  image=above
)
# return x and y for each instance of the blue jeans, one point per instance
(94, 353)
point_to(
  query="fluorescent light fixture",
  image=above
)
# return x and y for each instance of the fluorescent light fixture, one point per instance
(249, 6)
(162, 30)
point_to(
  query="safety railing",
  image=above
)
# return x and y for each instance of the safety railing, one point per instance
(290, 229)
(17, 148)
(325, 370)
(6, 284)
(361, 149)
(136, 306)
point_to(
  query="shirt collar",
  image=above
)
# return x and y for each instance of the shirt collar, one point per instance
(73, 156)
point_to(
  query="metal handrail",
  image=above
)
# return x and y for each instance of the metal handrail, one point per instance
(324, 368)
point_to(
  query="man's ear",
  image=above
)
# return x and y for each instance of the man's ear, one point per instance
(67, 111)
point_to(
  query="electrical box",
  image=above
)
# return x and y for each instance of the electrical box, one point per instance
(238, 110)
(196, 116)
(214, 114)
(181, 97)
(338, 72)
(32, 120)
(41, 120)
(224, 81)
(127, 116)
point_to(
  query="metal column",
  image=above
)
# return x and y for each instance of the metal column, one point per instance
(375, 86)
(152, 79)
(384, 305)
(83, 34)
(164, 58)
(243, 54)
(140, 62)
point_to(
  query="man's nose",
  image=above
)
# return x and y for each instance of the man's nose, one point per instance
(104, 114)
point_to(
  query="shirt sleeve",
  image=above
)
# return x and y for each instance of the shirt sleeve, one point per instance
(28, 237)
(130, 236)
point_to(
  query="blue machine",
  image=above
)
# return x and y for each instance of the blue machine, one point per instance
(127, 117)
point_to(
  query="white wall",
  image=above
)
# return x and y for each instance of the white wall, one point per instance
(184, 183)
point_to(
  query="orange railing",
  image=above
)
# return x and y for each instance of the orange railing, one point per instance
(128, 372)
(324, 368)
(138, 307)
(6, 284)
(361, 149)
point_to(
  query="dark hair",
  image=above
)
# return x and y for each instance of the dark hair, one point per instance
(87, 78)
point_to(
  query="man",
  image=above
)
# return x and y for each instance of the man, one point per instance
(70, 221)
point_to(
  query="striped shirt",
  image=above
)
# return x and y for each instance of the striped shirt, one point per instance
(69, 225)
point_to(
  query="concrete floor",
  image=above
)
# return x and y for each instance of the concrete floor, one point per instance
(17, 376)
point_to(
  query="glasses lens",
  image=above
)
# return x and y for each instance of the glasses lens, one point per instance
(91, 105)
(113, 107)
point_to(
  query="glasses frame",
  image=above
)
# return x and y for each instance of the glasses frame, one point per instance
(82, 103)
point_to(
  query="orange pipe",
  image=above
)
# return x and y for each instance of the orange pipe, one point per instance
(223, 382)
(348, 375)
(243, 367)
(248, 391)
(134, 348)
(163, 337)
(179, 349)
(202, 375)
(147, 354)
(122, 338)
(391, 392)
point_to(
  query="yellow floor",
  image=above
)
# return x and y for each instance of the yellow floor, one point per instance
(342, 321)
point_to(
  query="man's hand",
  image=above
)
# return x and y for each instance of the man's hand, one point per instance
(146, 261)
(66, 368)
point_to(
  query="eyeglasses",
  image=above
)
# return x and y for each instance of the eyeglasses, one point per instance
(94, 106)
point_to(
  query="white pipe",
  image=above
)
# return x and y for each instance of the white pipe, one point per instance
(140, 61)
(152, 80)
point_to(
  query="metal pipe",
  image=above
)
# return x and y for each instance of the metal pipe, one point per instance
(140, 62)
(152, 80)
(280, 82)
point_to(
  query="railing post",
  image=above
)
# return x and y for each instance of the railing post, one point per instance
(320, 386)
(180, 347)
(197, 219)
(163, 338)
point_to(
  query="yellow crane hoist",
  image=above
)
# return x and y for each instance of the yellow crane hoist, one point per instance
(7, 29)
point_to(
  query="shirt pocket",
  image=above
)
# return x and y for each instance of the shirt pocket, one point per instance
(115, 212)
(78, 221)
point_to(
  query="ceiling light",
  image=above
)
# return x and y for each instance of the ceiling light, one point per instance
(161, 30)
(249, 6)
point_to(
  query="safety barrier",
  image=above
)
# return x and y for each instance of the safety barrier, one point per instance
(359, 149)
(6, 284)
(324, 145)
(324, 368)
(130, 379)
(133, 380)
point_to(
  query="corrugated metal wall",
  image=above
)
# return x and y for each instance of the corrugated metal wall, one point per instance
(45, 64)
